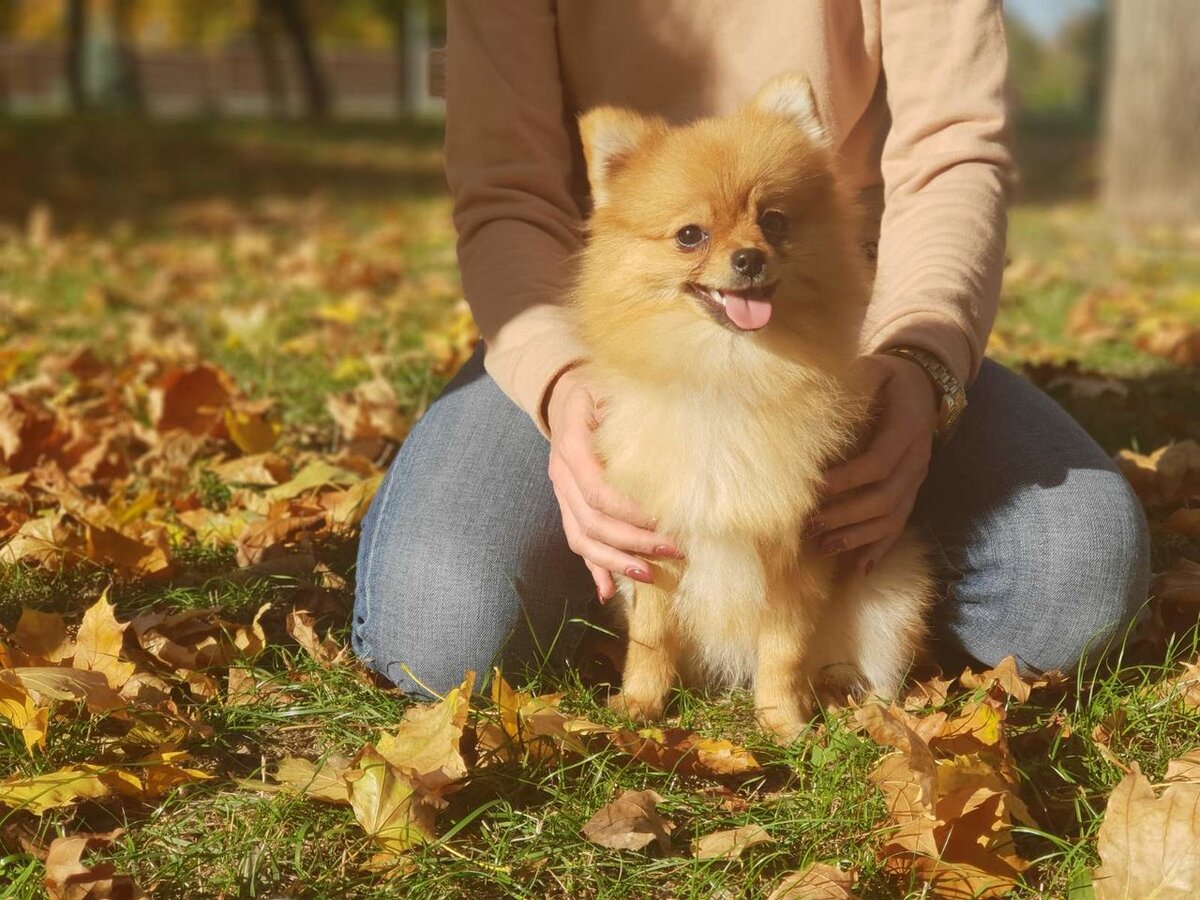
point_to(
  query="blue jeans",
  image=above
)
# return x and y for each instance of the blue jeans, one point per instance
(463, 563)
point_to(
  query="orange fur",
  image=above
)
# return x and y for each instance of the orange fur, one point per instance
(721, 434)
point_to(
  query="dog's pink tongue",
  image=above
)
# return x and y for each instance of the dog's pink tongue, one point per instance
(747, 313)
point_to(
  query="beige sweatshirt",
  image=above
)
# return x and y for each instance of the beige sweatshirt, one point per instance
(913, 92)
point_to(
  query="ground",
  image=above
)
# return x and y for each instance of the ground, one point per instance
(205, 267)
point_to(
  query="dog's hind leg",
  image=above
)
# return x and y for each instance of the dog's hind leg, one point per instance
(873, 628)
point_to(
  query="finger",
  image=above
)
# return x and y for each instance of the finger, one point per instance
(620, 535)
(874, 464)
(870, 555)
(875, 500)
(860, 534)
(601, 555)
(585, 469)
(606, 588)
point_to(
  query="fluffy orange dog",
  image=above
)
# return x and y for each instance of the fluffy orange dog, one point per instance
(720, 297)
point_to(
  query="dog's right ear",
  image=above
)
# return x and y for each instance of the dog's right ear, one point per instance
(610, 138)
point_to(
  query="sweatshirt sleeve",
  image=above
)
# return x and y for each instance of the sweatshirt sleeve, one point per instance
(509, 166)
(946, 170)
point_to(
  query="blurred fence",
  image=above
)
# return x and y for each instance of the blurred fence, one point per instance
(230, 81)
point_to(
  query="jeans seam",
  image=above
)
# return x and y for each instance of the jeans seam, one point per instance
(368, 594)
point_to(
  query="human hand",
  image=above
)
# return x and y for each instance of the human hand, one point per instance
(870, 497)
(604, 527)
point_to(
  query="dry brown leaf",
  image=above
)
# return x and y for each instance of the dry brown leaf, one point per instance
(99, 644)
(52, 541)
(1149, 845)
(1185, 768)
(819, 881)
(1168, 475)
(301, 625)
(67, 878)
(684, 752)
(50, 684)
(368, 417)
(324, 781)
(730, 843)
(1179, 584)
(1182, 521)
(192, 399)
(629, 823)
(260, 469)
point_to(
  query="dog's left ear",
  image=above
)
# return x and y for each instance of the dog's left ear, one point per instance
(610, 138)
(791, 96)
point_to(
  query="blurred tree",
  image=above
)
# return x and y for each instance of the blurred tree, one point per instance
(76, 28)
(268, 58)
(294, 20)
(128, 69)
(1152, 131)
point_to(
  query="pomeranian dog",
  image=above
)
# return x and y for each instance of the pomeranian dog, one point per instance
(720, 298)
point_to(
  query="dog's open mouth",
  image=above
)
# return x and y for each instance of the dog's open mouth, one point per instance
(748, 309)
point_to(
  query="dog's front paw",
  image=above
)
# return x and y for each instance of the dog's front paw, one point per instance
(787, 722)
(640, 709)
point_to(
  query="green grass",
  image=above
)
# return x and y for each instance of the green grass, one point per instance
(514, 830)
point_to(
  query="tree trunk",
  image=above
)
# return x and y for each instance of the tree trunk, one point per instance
(129, 71)
(268, 58)
(76, 33)
(1152, 127)
(316, 93)
(398, 14)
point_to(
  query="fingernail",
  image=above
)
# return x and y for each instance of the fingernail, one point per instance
(639, 575)
(668, 551)
(837, 545)
(869, 568)
(814, 529)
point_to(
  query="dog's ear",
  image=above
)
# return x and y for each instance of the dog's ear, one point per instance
(610, 138)
(791, 96)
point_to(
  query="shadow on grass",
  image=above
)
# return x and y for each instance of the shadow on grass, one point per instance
(93, 172)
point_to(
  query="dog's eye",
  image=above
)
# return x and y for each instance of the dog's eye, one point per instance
(773, 223)
(690, 236)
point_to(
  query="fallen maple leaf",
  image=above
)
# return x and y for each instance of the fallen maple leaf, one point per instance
(67, 878)
(324, 781)
(1149, 845)
(820, 881)
(629, 823)
(1180, 583)
(42, 636)
(301, 626)
(385, 804)
(1003, 675)
(99, 644)
(425, 746)
(730, 843)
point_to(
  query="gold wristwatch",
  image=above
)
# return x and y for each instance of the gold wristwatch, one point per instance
(954, 395)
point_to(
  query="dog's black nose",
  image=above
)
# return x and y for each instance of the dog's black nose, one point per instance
(748, 261)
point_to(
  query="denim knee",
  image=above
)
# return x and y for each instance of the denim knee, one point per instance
(1064, 581)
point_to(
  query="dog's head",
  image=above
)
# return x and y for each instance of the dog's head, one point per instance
(720, 229)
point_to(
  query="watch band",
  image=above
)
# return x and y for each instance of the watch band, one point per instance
(953, 394)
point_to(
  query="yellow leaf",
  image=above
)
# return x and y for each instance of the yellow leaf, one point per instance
(43, 636)
(730, 844)
(251, 429)
(425, 746)
(31, 719)
(99, 644)
(384, 803)
(56, 789)
(321, 782)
